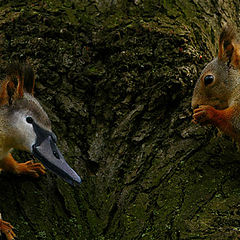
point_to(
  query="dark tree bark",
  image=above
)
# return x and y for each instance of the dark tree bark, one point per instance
(116, 79)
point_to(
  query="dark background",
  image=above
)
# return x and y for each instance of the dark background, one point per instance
(116, 78)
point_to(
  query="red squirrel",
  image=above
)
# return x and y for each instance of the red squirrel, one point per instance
(216, 96)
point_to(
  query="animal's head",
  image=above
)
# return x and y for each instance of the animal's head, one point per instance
(28, 125)
(219, 78)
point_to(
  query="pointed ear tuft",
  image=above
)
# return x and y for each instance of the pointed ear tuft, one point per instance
(10, 91)
(20, 78)
(7, 93)
(229, 48)
(15, 75)
(25, 78)
(226, 39)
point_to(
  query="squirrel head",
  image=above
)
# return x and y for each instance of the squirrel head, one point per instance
(221, 76)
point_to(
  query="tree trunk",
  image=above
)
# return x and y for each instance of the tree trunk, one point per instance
(116, 78)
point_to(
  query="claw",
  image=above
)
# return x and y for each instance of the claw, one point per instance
(7, 229)
(31, 168)
(204, 114)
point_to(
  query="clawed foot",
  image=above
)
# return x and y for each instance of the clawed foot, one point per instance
(30, 168)
(204, 114)
(7, 229)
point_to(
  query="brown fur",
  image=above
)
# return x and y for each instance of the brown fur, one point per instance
(7, 229)
(8, 164)
(220, 118)
(218, 103)
(20, 78)
(226, 38)
(229, 48)
(4, 97)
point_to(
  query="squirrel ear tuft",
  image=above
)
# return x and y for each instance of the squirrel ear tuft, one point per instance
(15, 75)
(229, 49)
(7, 93)
(25, 77)
(20, 78)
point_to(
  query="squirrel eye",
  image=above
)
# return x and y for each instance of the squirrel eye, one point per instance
(29, 120)
(208, 79)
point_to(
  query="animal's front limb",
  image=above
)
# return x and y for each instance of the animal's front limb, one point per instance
(8, 164)
(7, 229)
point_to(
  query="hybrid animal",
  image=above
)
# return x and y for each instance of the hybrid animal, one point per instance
(24, 125)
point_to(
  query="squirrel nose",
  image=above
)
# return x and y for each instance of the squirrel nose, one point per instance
(194, 105)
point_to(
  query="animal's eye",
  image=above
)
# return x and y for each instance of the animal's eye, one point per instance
(208, 79)
(29, 120)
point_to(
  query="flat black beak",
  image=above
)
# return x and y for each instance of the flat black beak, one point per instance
(46, 151)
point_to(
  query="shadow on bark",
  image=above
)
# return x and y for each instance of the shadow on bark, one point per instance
(117, 82)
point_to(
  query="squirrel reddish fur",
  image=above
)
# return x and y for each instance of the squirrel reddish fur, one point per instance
(216, 97)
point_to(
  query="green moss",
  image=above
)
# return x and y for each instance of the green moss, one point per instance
(117, 86)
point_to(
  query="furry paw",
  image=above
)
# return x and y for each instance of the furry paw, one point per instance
(7, 229)
(30, 168)
(204, 114)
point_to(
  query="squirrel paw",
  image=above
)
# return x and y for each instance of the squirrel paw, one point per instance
(204, 114)
(7, 229)
(31, 168)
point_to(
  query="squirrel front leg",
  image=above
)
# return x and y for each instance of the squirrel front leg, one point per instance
(7, 229)
(9, 164)
(222, 119)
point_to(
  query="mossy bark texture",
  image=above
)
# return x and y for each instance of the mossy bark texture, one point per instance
(116, 78)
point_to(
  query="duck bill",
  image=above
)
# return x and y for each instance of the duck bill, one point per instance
(48, 153)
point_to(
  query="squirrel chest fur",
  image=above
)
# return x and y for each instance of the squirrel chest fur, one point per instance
(216, 97)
